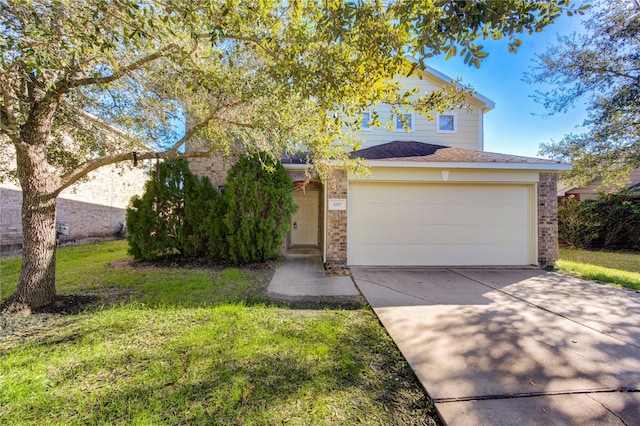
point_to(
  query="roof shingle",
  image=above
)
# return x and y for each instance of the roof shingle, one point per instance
(429, 153)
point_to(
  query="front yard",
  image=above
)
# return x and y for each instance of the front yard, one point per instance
(621, 269)
(189, 344)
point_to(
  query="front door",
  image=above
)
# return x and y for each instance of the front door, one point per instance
(304, 224)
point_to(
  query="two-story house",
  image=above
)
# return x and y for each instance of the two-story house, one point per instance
(434, 196)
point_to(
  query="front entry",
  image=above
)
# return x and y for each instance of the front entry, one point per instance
(304, 223)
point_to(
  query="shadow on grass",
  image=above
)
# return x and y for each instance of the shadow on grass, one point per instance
(226, 365)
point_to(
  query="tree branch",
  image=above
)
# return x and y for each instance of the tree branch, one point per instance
(604, 70)
(172, 153)
(237, 123)
(124, 70)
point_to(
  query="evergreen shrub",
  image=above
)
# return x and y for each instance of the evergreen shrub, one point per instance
(258, 205)
(610, 221)
(181, 214)
(168, 218)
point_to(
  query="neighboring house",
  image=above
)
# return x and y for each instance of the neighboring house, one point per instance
(94, 208)
(593, 188)
(433, 198)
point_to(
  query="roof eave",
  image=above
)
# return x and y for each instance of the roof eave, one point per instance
(488, 104)
(468, 165)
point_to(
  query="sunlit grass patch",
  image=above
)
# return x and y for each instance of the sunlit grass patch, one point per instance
(625, 261)
(230, 364)
(616, 268)
(198, 345)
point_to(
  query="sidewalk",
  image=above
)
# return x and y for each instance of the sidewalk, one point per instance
(302, 278)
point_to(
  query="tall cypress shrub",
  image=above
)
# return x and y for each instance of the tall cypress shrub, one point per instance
(258, 205)
(169, 217)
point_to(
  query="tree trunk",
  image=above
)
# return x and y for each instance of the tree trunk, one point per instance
(36, 286)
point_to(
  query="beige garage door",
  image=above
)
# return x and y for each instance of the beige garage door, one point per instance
(439, 224)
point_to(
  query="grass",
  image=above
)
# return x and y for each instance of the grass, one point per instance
(192, 345)
(620, 269)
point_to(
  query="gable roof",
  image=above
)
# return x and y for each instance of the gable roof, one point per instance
(441, 79)
(420, 154)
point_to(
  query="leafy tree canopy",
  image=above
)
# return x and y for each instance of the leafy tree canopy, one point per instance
(248, 74)
(600, 67)
(232, 75)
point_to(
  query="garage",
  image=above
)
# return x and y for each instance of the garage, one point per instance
(440, 224)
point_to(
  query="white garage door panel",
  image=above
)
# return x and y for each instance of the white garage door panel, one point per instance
(438, 224)
(438, 194)
(440, 234)
(457, 213)
(440, 255)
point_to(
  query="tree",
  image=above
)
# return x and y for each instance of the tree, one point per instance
(248, 75)
(258, 205)
(600, 67)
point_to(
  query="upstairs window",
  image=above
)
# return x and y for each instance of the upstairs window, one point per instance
(365, 120)
(403, 122)
(447, 123)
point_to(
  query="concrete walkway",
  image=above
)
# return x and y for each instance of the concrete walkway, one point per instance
(511, 347)
(302, 278)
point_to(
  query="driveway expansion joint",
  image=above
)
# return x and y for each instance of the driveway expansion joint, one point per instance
(534, 394)
(394, 290)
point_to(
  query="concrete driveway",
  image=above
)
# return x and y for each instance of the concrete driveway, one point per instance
(513, 346)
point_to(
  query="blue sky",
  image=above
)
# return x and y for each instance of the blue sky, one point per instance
(511, 127)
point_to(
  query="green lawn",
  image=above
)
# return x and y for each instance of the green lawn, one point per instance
(615, 268)
(194, 345)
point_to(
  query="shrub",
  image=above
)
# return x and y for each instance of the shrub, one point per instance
(619, 217)
(577, 223)
(258, 205)
(169, 216)
(612, 220)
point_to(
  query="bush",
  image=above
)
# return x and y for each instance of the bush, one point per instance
(619, 216)
(258, 205)
(577, 223)
(169, 216)
(612, 220)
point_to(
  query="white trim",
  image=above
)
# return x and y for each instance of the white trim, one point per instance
(488, 103)
(480, 131)
(455, 122)
(324, 225)
(289, 166)
(461, 165)
(534, 227)
(451, 165)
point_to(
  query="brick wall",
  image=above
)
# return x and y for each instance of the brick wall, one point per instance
(94, 208)
(215, 168)
(337, 220)
(10, 218)
(547, 219)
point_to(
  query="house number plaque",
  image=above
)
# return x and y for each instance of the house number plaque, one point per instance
(337, 204)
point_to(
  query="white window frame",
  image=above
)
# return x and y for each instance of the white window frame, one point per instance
(403, 129)
(362, 126)
(455, 122)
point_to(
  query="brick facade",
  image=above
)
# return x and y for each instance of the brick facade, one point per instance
(92, 209)
(547, 219)
(337, 220)
(215, 168)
